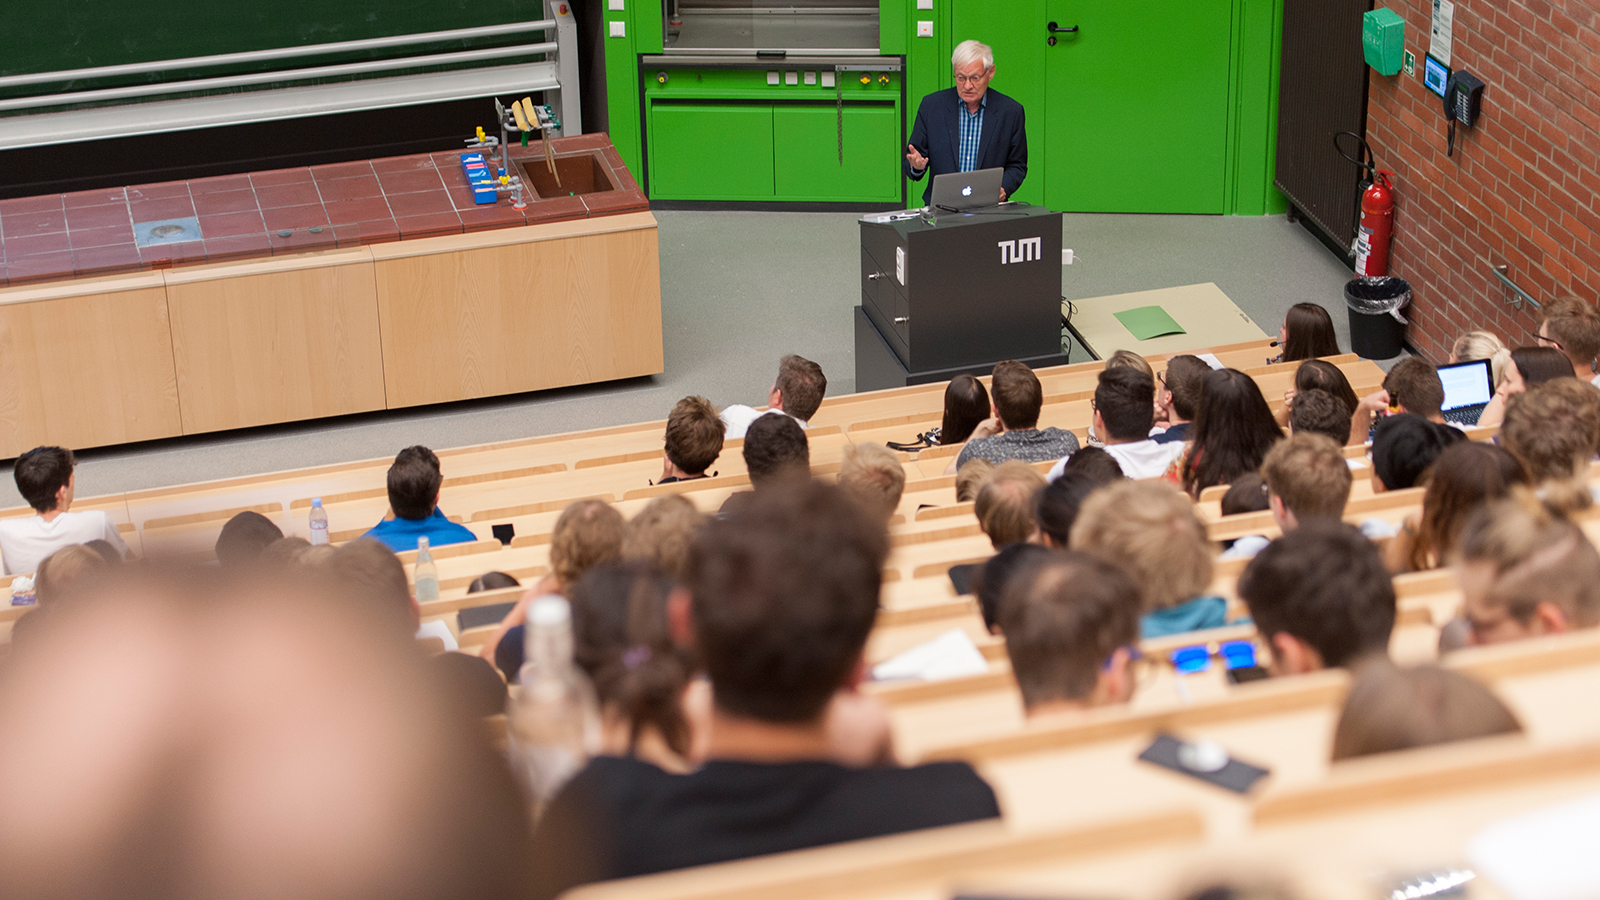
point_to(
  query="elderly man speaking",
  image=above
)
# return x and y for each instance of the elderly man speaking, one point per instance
(969, 127)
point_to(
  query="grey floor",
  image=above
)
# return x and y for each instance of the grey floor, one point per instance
(738, 290)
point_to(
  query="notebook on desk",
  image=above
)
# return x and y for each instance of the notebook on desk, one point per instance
(1467, 389)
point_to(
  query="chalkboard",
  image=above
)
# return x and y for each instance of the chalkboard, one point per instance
(71, 34)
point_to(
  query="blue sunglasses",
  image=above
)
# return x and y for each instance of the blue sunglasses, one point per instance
(1235, 655)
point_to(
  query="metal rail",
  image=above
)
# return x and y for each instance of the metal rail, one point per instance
(1500, 273)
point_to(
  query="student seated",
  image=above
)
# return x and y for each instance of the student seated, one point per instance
(1553, 430)
(797, 393)
(244, 537)
(1525, 571)
(775, 450)
(1320, 597)
(693, 440)
(1306, 480)
(1004, 505)
(1572, 326)
(989, 580)
(1405, 447)
(971, 477)
(1233, 430)
(1464, 477)
(1527, 367)
(1412, 386)
(1123, 416)
(1317, 375)
(1247, 494)
(1393, 708)
(1178, 395)
(966, 403)
(1151, 531)
(1319, 412)
(661, 534)
(873, 474)
(1014, 432)
(779, 605)
(1071, 622)
(1306, 332)
(1476, 345)
(1056, 506)
(46, 479)
(414, 481)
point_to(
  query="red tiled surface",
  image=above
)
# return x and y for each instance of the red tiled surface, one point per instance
(241, 216)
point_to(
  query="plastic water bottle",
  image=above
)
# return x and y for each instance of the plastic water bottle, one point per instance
(555, 722)
(319, 522)
(426, 575)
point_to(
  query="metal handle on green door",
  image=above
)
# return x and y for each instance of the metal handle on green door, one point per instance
(1053, 29)
(901, 320)
(874, 276)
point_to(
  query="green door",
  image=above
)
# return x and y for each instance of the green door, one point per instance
(807, 141)
(710, 151)
(1015, 30)
(1138, 106)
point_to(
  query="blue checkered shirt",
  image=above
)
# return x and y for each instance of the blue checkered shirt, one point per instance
(971, 132)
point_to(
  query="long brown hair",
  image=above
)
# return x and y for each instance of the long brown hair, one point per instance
(1323, 375)
(1233, 430)
(1465, 476)
(1309, 333)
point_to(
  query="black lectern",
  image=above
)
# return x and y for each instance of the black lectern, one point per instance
(957, 292)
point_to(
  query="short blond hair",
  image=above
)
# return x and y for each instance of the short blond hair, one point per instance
(872, 473)
(1004, 506)
(1308, 473)
(63, 567)
(662, 533)
(970, 51)
(970, 477)
(589, 532)
(1130, 360)
(1152, 532)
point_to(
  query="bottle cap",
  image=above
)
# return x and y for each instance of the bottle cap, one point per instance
(422, 543)
(316, 501)
(549, 610)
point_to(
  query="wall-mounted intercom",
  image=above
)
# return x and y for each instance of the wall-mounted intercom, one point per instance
(1463, 94)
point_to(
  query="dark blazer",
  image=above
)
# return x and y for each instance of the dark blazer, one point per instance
(937, 135)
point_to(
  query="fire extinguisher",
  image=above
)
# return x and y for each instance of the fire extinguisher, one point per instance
(1375, 198)
(1377, 227)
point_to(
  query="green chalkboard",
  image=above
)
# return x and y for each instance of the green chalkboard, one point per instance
(71, 34)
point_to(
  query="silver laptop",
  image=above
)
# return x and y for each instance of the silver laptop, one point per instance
(960, 191)
(1467, 389)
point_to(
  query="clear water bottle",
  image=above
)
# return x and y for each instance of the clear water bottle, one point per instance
(426, 575)
(555, 722)
(319, 522)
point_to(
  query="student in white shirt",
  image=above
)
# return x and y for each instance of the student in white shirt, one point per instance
(1123, 412)
(45, 478)
(797, 393)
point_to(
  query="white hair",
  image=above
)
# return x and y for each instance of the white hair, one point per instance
(968, 52)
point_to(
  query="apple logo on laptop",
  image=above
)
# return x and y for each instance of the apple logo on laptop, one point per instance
(966, 191)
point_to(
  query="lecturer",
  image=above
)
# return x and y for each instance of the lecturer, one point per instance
(969, 127)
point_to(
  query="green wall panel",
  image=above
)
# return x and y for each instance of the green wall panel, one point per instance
(711, 151)
(1015, 30)
(806, 153)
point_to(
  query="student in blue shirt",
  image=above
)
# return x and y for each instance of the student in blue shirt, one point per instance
(414, 482)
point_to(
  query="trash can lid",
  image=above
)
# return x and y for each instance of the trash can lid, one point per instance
(1382, 294)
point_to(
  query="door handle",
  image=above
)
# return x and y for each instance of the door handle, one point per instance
(874, 276)
(1054, 29)
(901, 320)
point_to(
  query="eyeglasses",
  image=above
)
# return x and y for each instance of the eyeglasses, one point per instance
(1545, 340)
(1234, 655)
(967, 80)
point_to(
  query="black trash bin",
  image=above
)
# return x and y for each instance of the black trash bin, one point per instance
(1377, 329)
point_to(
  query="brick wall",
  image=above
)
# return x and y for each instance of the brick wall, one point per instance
(1522, 187)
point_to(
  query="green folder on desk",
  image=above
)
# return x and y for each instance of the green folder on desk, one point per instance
(1146, 322)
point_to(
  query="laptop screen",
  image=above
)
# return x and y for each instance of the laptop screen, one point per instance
(1466, 384)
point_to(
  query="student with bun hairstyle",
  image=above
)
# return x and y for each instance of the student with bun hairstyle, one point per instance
(1476, 345)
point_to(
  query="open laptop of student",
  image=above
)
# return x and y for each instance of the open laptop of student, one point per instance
(961, 191)
(1467, 389)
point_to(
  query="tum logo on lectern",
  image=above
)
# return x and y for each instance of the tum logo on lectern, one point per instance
(1020, 250)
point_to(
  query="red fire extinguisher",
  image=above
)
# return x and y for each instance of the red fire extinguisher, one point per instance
(1377, 227)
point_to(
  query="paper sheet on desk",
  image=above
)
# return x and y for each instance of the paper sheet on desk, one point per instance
(1543, 855)
(1211, 360)
(438, 629)
(950, 655)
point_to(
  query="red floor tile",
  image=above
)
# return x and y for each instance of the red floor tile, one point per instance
(301, 240)
(299, 175)
(218, 184)
(231, 225)
(105, 260)
(21, 205)
(188, 251)
(428, 226)
(213, 203)
(363, 210)
(156, 210)
(83, 238)
(86, 217)
(29, 222)
(273, 196)
(359, 188)
(341, 170)
(410, 180)
(244, 246)
(500, 215)
(42, 267)
(420, 203)
(166, 190)
(98, 197)
(295, 217)
(35, 244)
(378, 231)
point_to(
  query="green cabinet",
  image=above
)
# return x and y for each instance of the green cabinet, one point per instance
(807, 143)
(710, 151)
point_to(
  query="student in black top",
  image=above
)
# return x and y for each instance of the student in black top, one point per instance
(779, 604)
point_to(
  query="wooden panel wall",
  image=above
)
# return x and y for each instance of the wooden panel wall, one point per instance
(86, 364)
(276, 341)
(471, 318)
